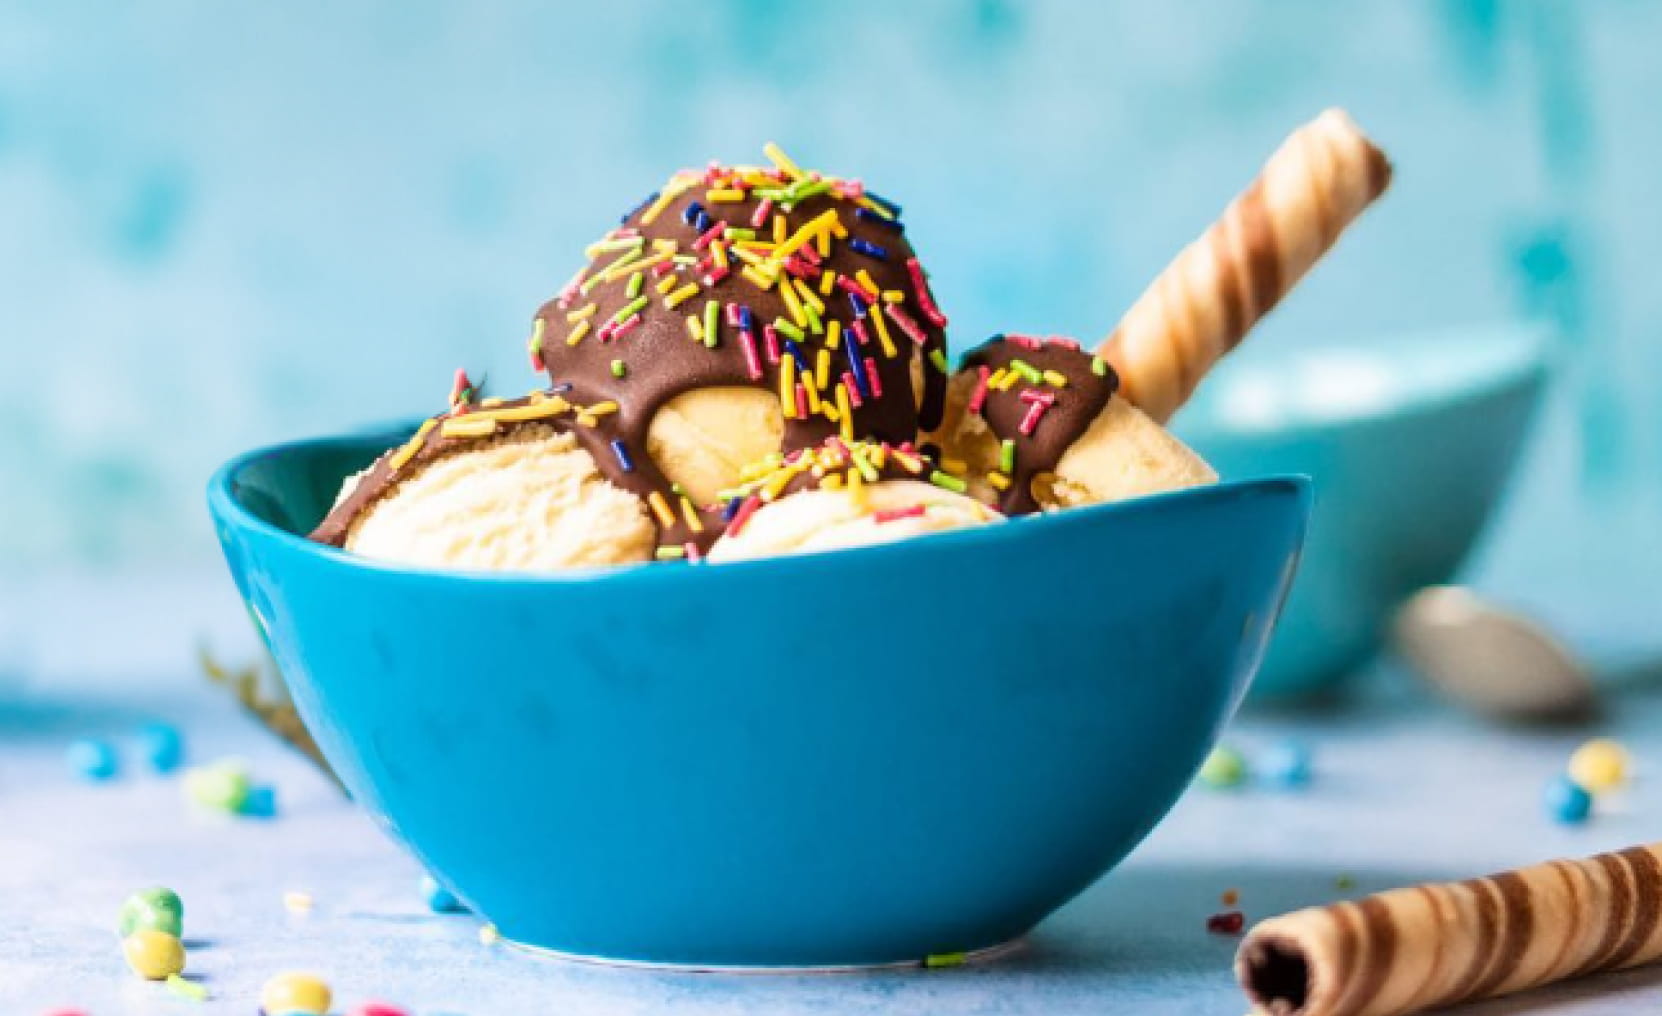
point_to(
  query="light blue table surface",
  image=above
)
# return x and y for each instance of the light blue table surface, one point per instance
(1405, 791)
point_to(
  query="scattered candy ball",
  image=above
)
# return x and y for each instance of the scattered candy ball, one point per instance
(378, 1009)
(154, 909)
(1600, 765)
(439, 899)
(1230, 897)
(163, 748)
(92, 760)
(221, 786)
(153, 955)
(1285, 764)
(1230, 922)
(297, 902)
(1224, 768)
(186, 988)
(1568, 801)
(939, 960)
(259, 802)
(295, 993)
(488, 935)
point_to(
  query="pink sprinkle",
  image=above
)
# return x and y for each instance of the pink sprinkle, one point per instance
(1065, 342)
(663, 268)
(904, 321)
(604, 334)
(570, 290)
(740, 517)
(708, 235)
(808, 252)
(926, 299)
(628, 326)
(860, 332)
(732, 315)
(752, 362)
(1034, 395)
(770, 338)
(979, 399)
(692, 551)
(847, 283)
(853, 190)
(873, 378)
(896, 514)
(625, 233)
(1025, 341)
(715, 276)
(853, 389)
(1035, 413)
(759, 218)
(801, 402)
(536, 361)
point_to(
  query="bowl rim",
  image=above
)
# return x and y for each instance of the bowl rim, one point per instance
(1529, 362)
(228, 510)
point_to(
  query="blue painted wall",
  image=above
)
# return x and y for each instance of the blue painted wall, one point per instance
(228, 224)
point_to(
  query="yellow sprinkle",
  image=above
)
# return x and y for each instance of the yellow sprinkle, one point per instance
(833, 339)
(467, 426)
(996, 378)
(1056, 379)
(718, 254)
(845, 413)
(541, 409)
(728, 194)
(492, 402)
(957, 467)
(868, 203)
(759, 279)
(681, 295)
(822, 243)
(779, 228)
(413, 445)
(666, 245)
(695, 328)
(832, 482)
(666, 283)
(676, 187)
(602, 408)
(809, 297)
(827, 282)
(754, 245)
(577, 333)
(578, 315)
(690, 513)
(787, 385)
(830, 410)
(812, 388)
(793, 304)
(998, 480)
(297, 902)
(876, 317)
(618, 271)
(893, 296)
(660, 508)
(822, 221)
(587, 420)
(863, 277)
(857, 491)
(748, 256)
(620, 265)
(783, 161)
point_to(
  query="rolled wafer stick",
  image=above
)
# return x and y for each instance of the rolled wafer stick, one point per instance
(1427, 946)
(1320, 179)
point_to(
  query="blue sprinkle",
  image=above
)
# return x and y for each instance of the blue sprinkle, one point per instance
(690, 214)
(560, 389)
(871, 216)
(746, 322)
(261, 802)
(439, 899)
(858, 304)
(704, 223)
(163, 747)
(622, 454)
(858, 368)
(798, 355)
(1567, 801)
(893, 208)
(1286, 765)
(869, 249)
(631, 213)
(93, 760)
(732, 509)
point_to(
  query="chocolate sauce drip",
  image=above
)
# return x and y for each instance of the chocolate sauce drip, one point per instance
(1089, 384)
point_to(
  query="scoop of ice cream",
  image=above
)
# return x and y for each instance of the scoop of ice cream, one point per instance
(820, 519)
(1037, 425)
(703, 439)
(531, 500)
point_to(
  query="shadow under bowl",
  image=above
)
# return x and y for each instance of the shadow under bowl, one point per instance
(1409, 442)
(857, 758)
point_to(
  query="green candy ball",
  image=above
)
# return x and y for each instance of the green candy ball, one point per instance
(1224, 768)
(222, 785)
(154, 909)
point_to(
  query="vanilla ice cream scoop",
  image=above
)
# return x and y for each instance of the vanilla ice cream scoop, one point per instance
(1037, 425)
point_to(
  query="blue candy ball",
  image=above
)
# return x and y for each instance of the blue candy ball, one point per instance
(261, 802)
(93, 760)
(163, 748)
(1568, 801)
(1285, 764)
(439, 899)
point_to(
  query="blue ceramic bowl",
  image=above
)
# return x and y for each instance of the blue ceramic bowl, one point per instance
(857, 758)
(1410, 442)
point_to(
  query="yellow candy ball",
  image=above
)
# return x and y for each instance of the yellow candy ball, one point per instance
(153, 955)
(295, 993)
(1599, 765)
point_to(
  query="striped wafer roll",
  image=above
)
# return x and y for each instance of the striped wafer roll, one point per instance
(1199, 308)
(1411, 949)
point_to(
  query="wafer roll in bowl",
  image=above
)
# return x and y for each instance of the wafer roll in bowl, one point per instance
(1430, 946)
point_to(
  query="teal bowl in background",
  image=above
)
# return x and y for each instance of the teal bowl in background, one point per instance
(857, 758)
(1409, 442)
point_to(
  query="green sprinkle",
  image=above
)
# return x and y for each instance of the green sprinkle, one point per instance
(866, 469)
(772, 193)
(1344, 882)
(636, 281)
(187, 988)
(784, 327)
(671, 553)
(712, 323)
(815, 325)
(804, 189)
(938, 358)
(629, 310)
(945, 960)
(537, 331)
(627, 243)
(1099, 366)
(735, 233)
(684, 259)
(1026, 370)
(619, 368)
(948, 481)
(1007, 456)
